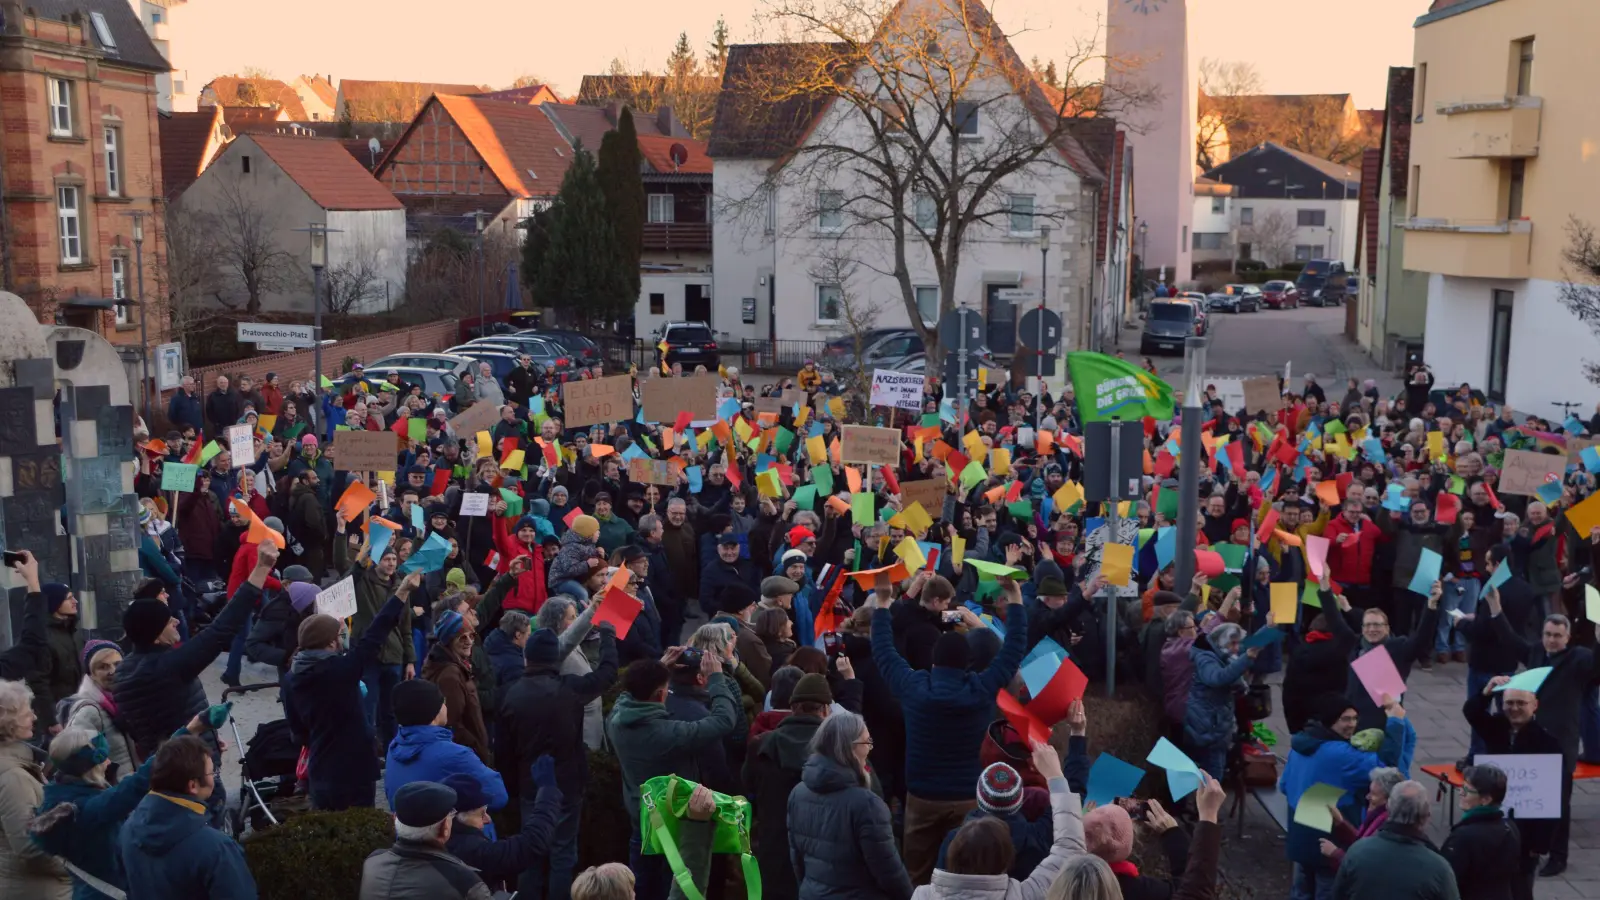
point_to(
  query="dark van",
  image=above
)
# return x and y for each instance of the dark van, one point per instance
(1166, 325)
(1322, 283)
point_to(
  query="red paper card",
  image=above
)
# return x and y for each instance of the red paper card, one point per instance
(1030, 728)
(1264, 533)
(1209, 563)
(441, 481)
(682, 422)
(618, 608)
(1449, 508)
(572, 516)
(1064, 687)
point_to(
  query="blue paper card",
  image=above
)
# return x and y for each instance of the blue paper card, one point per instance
(1573, 424)
(1549, 492)
(1528, 680)
(429, 557)
(380, 535)
(1268, 480)
(1183, 775)
(1427, 573)
(1591, 458)
(1037, 674)
(1502, 574)
(1047, 647)
(1110, 778)
(1266, 637)
(728, 408)
(1166, 546)
(1394, 499)
(696, 478)
(1373, 448)
(633, 452)
(417, 521)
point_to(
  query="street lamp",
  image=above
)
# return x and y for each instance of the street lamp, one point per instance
(144, 336)
(477, 267)
(318, 232)
(1039, 345)
(1144, 259)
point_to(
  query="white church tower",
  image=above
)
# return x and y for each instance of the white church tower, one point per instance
(1147, 43)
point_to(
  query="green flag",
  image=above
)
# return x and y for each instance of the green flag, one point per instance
(1107, 387)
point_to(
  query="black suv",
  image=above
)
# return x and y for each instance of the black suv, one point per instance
(690, 343)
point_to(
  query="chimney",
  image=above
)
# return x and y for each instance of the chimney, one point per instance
(667, 123)
(614, 112)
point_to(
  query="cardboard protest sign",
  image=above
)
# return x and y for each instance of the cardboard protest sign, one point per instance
(1524, 471)
(365, 451)
(1533, 782)
(598, 401)
(929, 492)
(241, 446)
(896, 389)
(1261, 394)
(474, 504)
(339, 600)
(664, 398)
(478, 417)
(772, 405)
(867, 444)
(642, 470)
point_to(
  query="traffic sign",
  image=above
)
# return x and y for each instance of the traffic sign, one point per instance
(953, 323)
(287, 335)
(1031, 361)
(1038, 323)
(952, 370)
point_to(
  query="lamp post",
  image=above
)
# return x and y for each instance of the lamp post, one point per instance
(477, 267)
(1194, 370)
(144, 335)
(1038, 345)
(1144, 259)
(318, 231)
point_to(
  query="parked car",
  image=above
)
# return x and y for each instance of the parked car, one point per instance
(444, 362)
(690, 343)
(1202, 320)
(501, 360)
(1322, 282)
(437, 385)
(845, 345)
(1224, 302)
(1280, 295)
(1166, 324)
(1249, 296)
(556, 361)
(584, 351)
(916, 363)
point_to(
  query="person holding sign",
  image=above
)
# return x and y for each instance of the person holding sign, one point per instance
(1515, 731)
(1399, 862)
(1484, 847)
(1404, 650)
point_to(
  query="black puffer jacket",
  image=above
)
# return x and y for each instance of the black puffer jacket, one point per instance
(1485, 852)
(840, 838)
(771, 771)
(158, 687)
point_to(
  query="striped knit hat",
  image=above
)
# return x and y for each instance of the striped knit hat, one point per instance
(999, 790)
(448, 626)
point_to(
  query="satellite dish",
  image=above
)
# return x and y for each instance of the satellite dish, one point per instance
(374, 146)
(679, 155)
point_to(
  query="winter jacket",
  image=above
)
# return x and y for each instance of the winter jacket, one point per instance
(1210, 719)
(1572, 672)
(543, 712)
(26, 871)
(325, 706)
(1352, 562)
(1404, 651)
(500, 862)
(427, 753)
(649, 742)
(1397, 863)
(752, 650)
(222, 410)
(276, 631)
(372, 591)
(458, 682)
(414, 870)
(615, 532)
(772, 768)
(55, 683)
(158, 688)
(1488, 650)
(1485, 852)
(1499, 738)
(308, 522)
(199, 524)
(1177, 670)
(679, 543)
(947, 711)
(92, 710)
(185, 409)
(85, 832)
(717, 575)
(31, 652)
(1318, 755)
(841, 839)
(1320, 665)
(1345, 834)
(1066, 815)
(572, 560)
(505, 667)
(168, 850)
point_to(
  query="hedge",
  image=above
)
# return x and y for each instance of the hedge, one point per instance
(318, 855)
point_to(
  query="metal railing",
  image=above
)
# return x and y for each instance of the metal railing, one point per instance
(776, 356)
(677, 236)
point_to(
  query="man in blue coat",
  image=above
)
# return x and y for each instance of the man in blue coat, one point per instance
(167, 848)
(423, 748)
(948, 710)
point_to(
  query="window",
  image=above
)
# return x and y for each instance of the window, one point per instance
(658, 304)
(1499, 344)
(889, 117)
(60, 106)
(661, 208)
(1208, 240)
(830, 210)
(1244, 250)
(119, 289)
(1185, 237)
(102, 30)
(966, 119)
(67, 225)
(771, 223)
(155, 17)
(1419, 94)
(246, 164)
(928, 304)
(1247, 215)
(1516, 173)
(1414, 191)
(113, 163)
(1524, 60)
(925, 212)
(1219, 205)
(1021, 207)
(1307, 252)
(1311, 218)
(829, 299)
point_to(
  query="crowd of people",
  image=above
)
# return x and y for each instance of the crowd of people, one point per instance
(870, 697)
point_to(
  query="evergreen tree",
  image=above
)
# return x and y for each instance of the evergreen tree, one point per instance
(623, 186)
(717, 52)
(581, 266)
(682, 63)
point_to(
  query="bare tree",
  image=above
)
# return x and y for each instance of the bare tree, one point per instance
(529, 79)
(854, 314)
(1227, 87)
(249, 261)
(1270, 236)
(928, 120)
(1579, 290)
(187, 275)
(357, 284)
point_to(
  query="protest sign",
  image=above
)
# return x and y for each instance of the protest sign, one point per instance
(651, 471)
(339, 600)
(1524, 471)
(772, 405)
(241, 446)
(1533, 782)
(929, 492)
(1230, 391)
(178, 477)
(791, 396)
(365, 451)
(896, 389)
(664, 398)
(597, 401)
(867, 444)
(478, 417)
(1576, 445)
(1261, 394)
(474, 504)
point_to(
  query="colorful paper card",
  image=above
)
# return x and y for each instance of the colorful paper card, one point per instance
(1529, 680)
(863, 509)
(989, 571)
(1110, 778)
(1377, 673)
(1313, 809)
(1285, 603)
(1116, 564)
(619, 609)
(1429, 563)
(1183, 775)
(1502, 574)
(1316, 554)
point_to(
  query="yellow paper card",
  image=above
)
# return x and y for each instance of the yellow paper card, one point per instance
(1000, 461)
(816, 450)
(836, 408)
(910, 554)
(386, 478)
(983, 379)
(514, 460)
(973, 442)
(1285, 603)
(805, 413)
(917, 442)
(485, 444)
(768, 484)
(1435, 445)
(1116, 564)
(958, 549)
(743, 428)
(917, 518)
(265, 423)
(1067, 495)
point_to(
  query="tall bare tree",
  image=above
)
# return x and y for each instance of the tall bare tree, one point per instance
(250, 263)
(1579, 290)
(357, 284)
(1227, 86)
(855, 313)
(187, 275)
(928, 121)
(1270, 236)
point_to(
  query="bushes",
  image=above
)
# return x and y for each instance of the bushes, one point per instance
(604, 829)
(316, 856)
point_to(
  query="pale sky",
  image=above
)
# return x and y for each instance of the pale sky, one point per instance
(1299, 46)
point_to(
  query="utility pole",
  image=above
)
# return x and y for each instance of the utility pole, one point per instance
(144, 334)
(1190, 453)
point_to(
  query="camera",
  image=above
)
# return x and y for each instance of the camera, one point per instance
(690, 658)
(832, 644)
(951, 616)
(1138, 810)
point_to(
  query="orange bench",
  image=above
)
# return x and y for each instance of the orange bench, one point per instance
(1450, 780)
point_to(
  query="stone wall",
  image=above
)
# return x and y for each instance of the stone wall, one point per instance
(296, 365)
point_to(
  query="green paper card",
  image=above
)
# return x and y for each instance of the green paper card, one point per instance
(972, 476)
(178, 476)
(327, 382)
(1233, 556)
(416, 429)
(805, 497)
(822, 477)
(930, 420)
(513, 503)
(1022, 510)
(1312, 811)
(863, 509)
(783, 442)
(208, 451)
(1309, 597)
(989, 571)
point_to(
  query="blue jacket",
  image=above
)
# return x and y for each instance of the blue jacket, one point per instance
(168, 850)
(89, 838)
(185, 409)
(325, 706)
(1317, 754)
(1210, 720)
(427, 753)
(505, 658)
(947, 711)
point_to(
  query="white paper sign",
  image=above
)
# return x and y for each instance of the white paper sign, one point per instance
(1533, 782)
(241, 446)
(474, 504)
(897, 390)
(339, 600)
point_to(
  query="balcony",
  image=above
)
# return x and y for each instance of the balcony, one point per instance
(683, 236)
(1492, 128)
(1469, 248)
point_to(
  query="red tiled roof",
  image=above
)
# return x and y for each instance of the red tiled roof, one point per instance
(532, 93)
(326, 172)
(323, 88)
(657, 151)
(252, 119)
(266, 90)
(396, 101)
(590, 124)
(520, 145)
(185, 140)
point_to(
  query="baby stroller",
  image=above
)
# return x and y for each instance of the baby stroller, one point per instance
(266, 763)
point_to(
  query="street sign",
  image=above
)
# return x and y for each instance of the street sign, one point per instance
(1098, 468)
(276, 348)
(293, 336)
(1040, 329)
(1016, 295)
(1031, 362)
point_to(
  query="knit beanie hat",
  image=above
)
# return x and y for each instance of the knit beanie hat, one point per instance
(542, 648)
(455, 578)
(448, 626)
(951, 651)
(416, 702)
(86, 757)
(144, 620)
(273, 522)
(811, 688)
(302, 595)
(734, 598)
(55, 593)
(586, 526)
(298, 573)
(317, 631)
(92, 647)
(1108, 832)
(1331, 707)
(999, 790)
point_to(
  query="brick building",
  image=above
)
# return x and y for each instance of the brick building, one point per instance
(80, 151)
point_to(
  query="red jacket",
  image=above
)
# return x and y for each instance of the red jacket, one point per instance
(1352, 562)
(530, 593)
(244, 562)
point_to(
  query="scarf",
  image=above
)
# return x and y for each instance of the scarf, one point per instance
(305, 659)
(1125, 869)
(1313, 637)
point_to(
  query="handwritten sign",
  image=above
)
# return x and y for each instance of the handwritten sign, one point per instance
(929, 492)
(1261, 394)
(896, 389)
(867, 444)
(664, 398)
(339, 600)
(772, 405)
(474, 504)
(1524, 471)
(365, 451)
(241, 446)
(598, 401)
(1533, 782)
(478, 417)
(642, 470)
(178, 476)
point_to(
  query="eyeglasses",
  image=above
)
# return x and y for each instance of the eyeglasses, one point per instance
(867, 742)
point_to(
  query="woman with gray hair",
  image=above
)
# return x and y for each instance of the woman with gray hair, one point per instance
(1384, 779)
(841, 838)
(26, 870)
(1210, 722)
(503, 647)
(560, 614)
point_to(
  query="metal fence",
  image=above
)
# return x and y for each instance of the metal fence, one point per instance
(777, 356)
